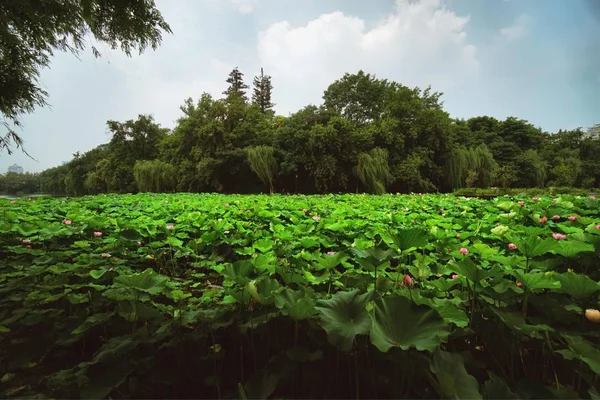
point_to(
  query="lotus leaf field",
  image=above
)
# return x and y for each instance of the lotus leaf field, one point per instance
(338, 296)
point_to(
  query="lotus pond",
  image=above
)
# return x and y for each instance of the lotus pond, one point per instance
(338, 296)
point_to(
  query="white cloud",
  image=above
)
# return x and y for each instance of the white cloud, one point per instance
(518, 29)
(417, 44)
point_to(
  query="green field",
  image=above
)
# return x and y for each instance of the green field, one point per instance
(337, 296)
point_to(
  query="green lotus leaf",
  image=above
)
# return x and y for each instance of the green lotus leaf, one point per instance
(97, 273)
(344, 316)
(406, 239)
(453, 380)
(147, 281)
(467, 268)
(298, 304)
(577, 286)
(262, 289)
(537, 281)
(91, 321)
(263, 245)
(533, 246)
(572, 248)
(398, 322)
(240, 271)
(585, 351)
(131, 234)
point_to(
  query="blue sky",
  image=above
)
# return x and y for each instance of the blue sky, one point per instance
(534, 59)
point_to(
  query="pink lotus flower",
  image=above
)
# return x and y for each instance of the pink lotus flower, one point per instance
(519, 284)
(67, 221)
(304, 210)
(28, 246)
(331, 253)
(521, 203)
(573, 218)
(139, 243)
(169, 227)
(454, 276)
(535, 199)
(408, 281)
(97, 234)
(592, 197)
(316, 218)
(464, 251)
(559, 236)
(25, 241)
(247, 211)
(543, 220)
(512, 246)
(598, 226)
(458, 235)
(556, 217)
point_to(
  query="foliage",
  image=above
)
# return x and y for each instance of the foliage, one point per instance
(33, 30)
(373, 170)
(154, 176)
(236, 84)
(130, 296)
(263, 164)
(370, 134)
(261, 95)
(13, 183)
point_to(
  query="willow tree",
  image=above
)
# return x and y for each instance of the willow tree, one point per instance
(33, 31)
(470, 167)
(373, 170)
(457, 167)
(263, 163)
(484, 165)
(154, 176)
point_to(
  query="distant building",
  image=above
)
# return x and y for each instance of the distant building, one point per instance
(15, 168)
(593, 132)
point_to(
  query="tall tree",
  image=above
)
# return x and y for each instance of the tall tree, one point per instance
(262, 92)
(358, 97)
(32, 30)
(236, 84)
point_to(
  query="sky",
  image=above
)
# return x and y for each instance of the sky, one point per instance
(537, 60)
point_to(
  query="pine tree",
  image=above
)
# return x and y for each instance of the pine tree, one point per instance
(262, 92)
(236, 83)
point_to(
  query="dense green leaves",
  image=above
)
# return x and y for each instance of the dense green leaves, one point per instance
(295, 296)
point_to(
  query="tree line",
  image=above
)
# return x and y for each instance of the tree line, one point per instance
(369, 135)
